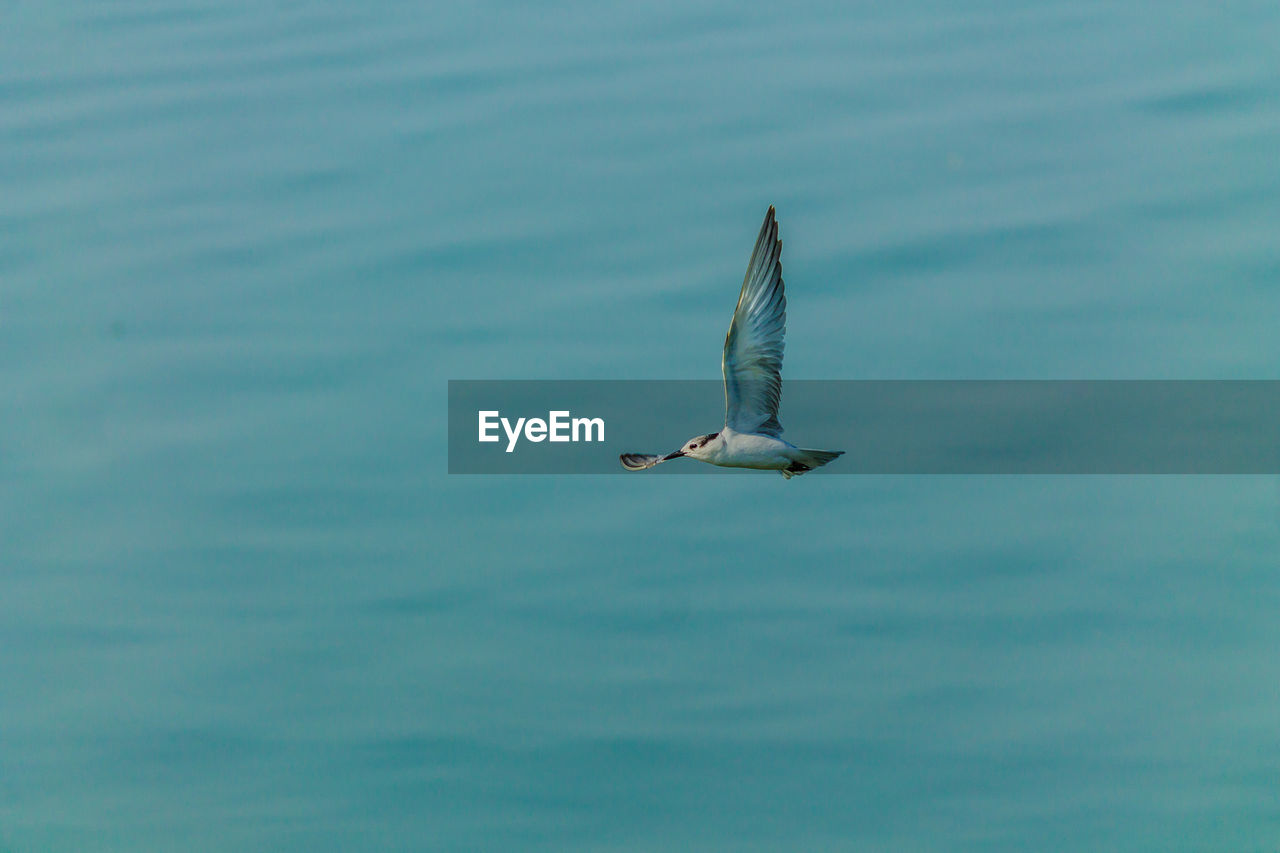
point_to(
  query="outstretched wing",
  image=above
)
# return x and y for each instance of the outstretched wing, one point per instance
(752, 361)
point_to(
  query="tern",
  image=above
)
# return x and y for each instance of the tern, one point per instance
(752, 367)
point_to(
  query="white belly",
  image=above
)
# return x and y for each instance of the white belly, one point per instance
(741, 450)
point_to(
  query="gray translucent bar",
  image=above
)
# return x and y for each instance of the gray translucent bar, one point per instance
(892, 427)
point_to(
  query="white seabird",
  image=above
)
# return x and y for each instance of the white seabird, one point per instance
(752, 366)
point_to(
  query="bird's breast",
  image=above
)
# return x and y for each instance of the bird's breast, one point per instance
(745, 450)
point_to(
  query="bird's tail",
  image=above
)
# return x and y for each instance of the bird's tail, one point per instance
(807, 460)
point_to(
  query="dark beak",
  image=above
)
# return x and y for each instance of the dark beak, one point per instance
(673, 455)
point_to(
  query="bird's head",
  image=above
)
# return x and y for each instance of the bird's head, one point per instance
(698, 447)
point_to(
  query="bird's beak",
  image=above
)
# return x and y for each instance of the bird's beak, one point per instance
(673, 455)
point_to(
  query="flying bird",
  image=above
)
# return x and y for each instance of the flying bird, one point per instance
(752, 366)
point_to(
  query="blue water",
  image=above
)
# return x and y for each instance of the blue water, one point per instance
(243, 247)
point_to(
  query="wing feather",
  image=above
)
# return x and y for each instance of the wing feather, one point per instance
(752, 361)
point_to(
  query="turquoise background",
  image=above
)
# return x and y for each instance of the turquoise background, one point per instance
(244, 245)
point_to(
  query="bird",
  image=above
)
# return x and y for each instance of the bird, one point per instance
(752, 366)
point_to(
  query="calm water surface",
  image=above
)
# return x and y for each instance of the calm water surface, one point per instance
(243, 246)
